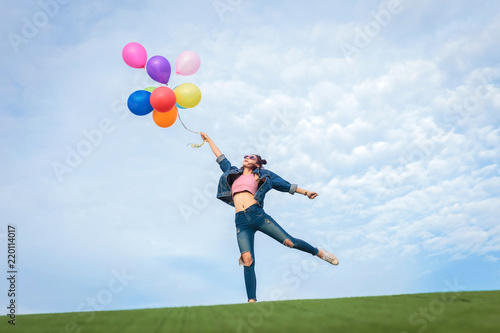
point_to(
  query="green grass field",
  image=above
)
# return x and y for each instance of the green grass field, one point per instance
(434, 312)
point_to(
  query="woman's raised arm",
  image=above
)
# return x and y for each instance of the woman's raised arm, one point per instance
(216, 150)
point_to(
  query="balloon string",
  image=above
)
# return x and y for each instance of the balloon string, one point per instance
(193, 145)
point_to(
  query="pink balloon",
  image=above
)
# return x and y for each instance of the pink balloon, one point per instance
(134, 55)
(187, 63)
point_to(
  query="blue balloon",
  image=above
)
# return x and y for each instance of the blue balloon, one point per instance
(138, 103)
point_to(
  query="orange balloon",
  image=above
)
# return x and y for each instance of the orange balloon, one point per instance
(165, 119)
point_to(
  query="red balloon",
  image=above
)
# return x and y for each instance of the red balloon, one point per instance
(163, 99)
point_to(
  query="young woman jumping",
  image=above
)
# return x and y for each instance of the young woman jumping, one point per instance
(244, 188)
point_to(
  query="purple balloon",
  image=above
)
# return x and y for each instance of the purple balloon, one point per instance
(159, 69)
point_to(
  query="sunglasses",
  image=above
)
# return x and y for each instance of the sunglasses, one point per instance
(252, 157)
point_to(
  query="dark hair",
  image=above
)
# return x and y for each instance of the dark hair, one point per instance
(260, 161)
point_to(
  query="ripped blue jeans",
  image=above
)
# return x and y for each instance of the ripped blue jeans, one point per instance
(248, 222)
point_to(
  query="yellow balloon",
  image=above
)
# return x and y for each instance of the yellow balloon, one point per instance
(188, 95)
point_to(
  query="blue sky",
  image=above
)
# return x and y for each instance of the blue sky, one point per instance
(387, 109)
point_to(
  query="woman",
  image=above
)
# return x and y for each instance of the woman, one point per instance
(245, 189)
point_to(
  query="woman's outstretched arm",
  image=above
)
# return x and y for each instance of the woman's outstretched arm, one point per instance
(216, 150)
(221, 159)
(309, 194)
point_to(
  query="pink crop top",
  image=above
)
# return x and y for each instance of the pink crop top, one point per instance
(245, 183)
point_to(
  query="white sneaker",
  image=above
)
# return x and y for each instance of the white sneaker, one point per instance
(329, 257)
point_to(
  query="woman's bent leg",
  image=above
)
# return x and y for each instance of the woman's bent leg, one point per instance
(271, 228)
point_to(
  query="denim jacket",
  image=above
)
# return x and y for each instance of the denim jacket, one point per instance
(230, 172)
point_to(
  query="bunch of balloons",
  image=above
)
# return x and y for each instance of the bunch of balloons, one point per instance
(162, 101)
